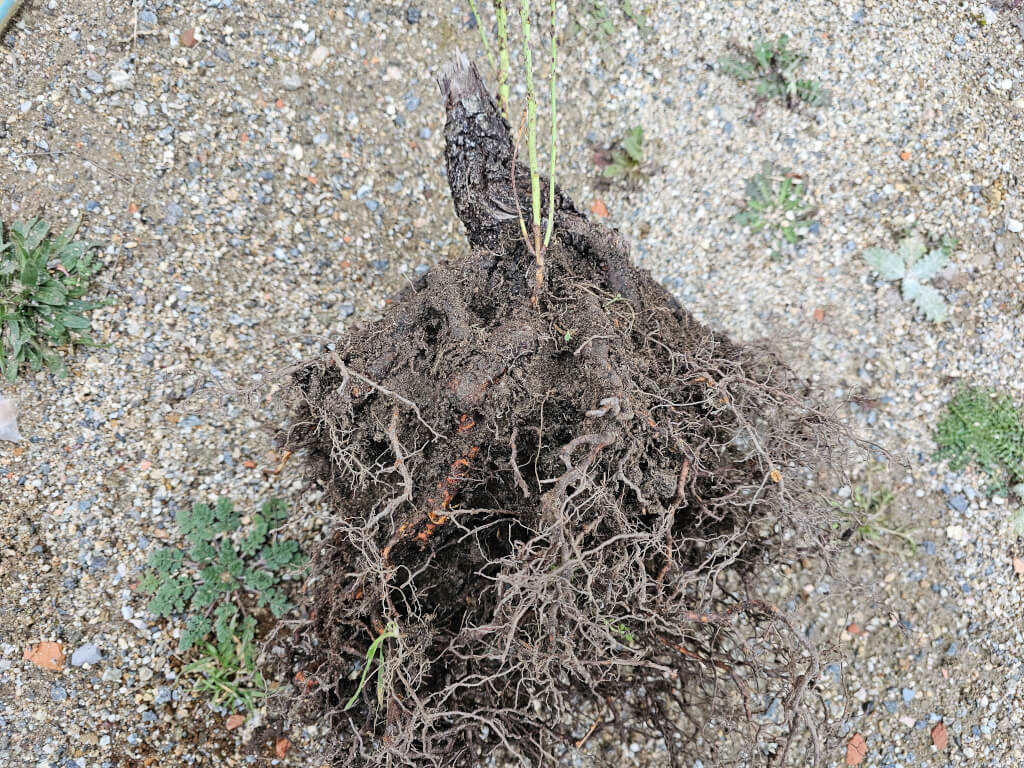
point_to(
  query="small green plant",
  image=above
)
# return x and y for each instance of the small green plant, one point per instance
(42, 284)
(377, 646)
(621, 629)
(776, 205)
(773, 66)
(627, 158)
(596, 19)
(226, 668)
(1017, 521)
(912, 264)
(983, 428)
(225, 570)
(873, 511)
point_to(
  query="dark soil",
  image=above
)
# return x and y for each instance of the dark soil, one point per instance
(559, 505)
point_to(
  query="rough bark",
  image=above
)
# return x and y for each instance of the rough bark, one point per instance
(490, 198)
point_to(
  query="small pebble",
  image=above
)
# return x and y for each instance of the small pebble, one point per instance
(86, 654)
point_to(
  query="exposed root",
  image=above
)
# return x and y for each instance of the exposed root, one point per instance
(555, 504)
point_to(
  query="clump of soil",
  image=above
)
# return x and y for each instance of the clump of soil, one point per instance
(553, 505)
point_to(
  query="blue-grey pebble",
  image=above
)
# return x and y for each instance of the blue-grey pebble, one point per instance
(86, 654)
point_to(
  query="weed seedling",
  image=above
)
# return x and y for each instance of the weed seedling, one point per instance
(983, 428)
(42, 285)
(226, 570)
(627, 158)
(226, 669)
(621, 629)
(912, 264)
(776, 205)
(873, 508)
(377, 646)
(597, 20)
(773, 67)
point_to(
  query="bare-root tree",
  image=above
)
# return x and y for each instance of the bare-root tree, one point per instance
(546, 511)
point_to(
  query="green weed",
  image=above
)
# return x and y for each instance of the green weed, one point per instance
(912, 263)
(621, 629)
(226, 569)
(376, 647)
(226, 668)
(628, 156)
(777, 205)
(42, 285)
(598, 20)
(983, 428)
(773, 66)
(873, 508)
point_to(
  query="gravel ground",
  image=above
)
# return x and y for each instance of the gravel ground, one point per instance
(266, 173)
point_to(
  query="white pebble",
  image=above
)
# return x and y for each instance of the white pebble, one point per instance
(9, 421)
(319, 56)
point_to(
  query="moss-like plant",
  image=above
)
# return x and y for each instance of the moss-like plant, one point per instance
(983, 428)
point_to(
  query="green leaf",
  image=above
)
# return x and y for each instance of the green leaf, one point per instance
(278, 604)
(224, 623)
(275, 511)
(229, 559)
(911, 249)
(390, 632)
(931, 304)
(202, 552)
(613, 171)
(226, 516)
(75, 322)
(762, 54)
(196, 630)
(71, 254)
(206, 595)
(633, 144)
(166, 561)
(170, 597)
(911, 288)
(1017, 522)
(258, 580)
(280, 553)
(67, 235)
(737, 68)
(196, 524)
(29, 273)
(929, 266)
(52, 293)
(15, 339)
(34, 235)
(256, 537)
(149, 583)
(889, 265)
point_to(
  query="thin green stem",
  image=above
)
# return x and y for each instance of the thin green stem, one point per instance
(531, 142)
(483, 34)
(503, 65)
(554, 130)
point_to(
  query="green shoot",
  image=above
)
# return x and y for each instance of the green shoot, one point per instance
(554, 134)
(503, 66)
(390, 633)
(531, 140)
(483, 33)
